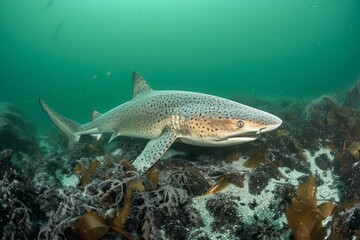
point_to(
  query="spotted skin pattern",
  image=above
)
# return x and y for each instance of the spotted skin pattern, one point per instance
(166, 116)
(154, 150)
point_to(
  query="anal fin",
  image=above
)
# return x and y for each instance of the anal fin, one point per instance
(96, 136)
(113, 136)
(154, 149)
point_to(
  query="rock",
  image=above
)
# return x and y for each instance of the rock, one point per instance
(323, 162)
(316, 110)
(16, 132)
(5, 157)
(224, 210)
(353, 95)
(190, 179)
(20, 215)
(352, 182)
(261, 177)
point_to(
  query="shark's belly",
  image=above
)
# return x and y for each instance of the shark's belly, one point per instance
(208, 142)
(145, 126)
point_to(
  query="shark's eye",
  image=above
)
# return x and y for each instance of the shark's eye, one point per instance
(240, 124)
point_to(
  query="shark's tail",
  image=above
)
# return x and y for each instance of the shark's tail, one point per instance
(67, 126)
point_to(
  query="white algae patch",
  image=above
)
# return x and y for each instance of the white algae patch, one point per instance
(199, 203)
(70, 181)
(328, 190)
(171, 153)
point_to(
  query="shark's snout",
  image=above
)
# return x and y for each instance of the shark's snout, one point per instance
(269, 128)
(272, 124)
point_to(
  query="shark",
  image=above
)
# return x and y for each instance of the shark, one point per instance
(166, 116)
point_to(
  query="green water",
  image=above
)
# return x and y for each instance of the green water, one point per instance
(79, 54)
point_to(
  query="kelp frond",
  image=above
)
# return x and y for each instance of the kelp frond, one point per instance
(304, 216)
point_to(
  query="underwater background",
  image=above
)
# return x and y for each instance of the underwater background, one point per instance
(298, 60)
(79, 55)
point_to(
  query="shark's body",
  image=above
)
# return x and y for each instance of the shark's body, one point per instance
(166, 116)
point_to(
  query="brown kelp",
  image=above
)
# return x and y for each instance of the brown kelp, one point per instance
(304, 216)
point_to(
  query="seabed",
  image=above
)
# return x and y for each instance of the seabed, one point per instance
(300, 181)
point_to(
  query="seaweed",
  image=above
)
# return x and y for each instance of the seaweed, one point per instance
(235, 179)
(304, 216)
(255, 159)
(91, 226)
(120, 220)
(345, 159)
(86, 173)
(218, 187)
(153, 176)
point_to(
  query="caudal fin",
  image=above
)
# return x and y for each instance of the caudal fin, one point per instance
(67, 126)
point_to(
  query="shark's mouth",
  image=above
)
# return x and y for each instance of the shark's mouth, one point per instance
(251, 134)
(244, 135)
(248, 134)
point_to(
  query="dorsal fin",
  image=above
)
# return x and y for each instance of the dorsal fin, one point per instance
(94, 115)
(140, 86)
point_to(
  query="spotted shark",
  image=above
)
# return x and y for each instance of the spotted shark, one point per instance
(166, 116)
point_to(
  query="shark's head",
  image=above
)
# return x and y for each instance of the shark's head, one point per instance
(229, 126)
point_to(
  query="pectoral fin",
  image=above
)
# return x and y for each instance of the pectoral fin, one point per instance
(154, 150)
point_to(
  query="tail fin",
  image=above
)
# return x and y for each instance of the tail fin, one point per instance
(67, 126)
